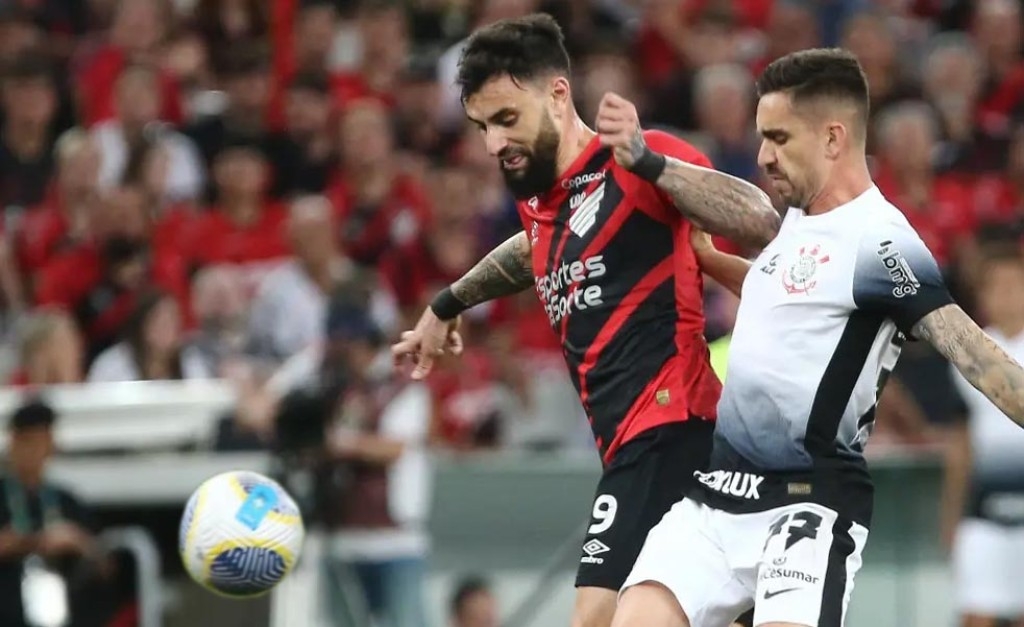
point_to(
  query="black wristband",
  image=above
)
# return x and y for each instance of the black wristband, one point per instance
(446, 306)
(650, 165)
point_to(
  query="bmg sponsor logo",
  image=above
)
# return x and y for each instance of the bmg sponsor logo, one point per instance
(904, 281)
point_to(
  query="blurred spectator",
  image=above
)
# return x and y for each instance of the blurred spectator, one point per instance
(376, 493)
(308, 156)
(18, 34)
(245, 77)
(981, 514)
(226, 25)
(724, 104)
(996, 29)
(443, 252)
(100, 279)
(315, 25)
(793, 26)
(62, 220)
(26, 138)
(952, 81)
(999, 196)
(936, 204)
(46, 533)
(51, 350)
(289, 311)
(152, 347)
(418, 102)
(137, 108)
(220, 306)
(606, 67)
(473, 604)
(379, 206)
(384, 31)
(245, 227)
(139, 28)
(870, 36)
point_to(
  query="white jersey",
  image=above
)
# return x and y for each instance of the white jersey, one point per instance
(824, 311)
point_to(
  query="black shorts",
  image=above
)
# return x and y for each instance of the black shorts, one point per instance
(647, 476)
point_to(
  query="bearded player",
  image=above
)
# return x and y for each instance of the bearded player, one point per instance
(607, 219)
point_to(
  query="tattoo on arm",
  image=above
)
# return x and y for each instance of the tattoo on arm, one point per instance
(988, 368)
(720, 203)
(504, 271)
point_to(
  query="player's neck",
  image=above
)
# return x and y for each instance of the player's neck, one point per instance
(845, 185)
(574, 141)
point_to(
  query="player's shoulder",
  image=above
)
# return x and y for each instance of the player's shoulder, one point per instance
(879, 215)
(675, 146)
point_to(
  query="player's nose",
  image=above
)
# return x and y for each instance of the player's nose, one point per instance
(766, 155)
(496, 141)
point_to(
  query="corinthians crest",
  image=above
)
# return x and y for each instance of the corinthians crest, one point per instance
(799, 277)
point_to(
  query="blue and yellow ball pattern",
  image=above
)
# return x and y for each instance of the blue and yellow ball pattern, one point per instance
(241, 534)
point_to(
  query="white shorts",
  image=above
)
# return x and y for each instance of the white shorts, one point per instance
(988, 568)
(793, 564)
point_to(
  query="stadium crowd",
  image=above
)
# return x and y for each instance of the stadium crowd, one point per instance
(185, 184)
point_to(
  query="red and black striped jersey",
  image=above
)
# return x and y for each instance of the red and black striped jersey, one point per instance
(615, 271)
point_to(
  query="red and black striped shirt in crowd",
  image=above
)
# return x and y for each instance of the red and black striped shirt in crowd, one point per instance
(615, 271)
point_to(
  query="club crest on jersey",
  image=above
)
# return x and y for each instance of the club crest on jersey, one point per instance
(799, 277)
(584, 209)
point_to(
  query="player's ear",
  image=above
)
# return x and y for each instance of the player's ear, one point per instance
(561, 94)
(837, 136)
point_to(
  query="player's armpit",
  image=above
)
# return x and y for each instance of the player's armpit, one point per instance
(720, 203)
(980, 360)
(506, 270)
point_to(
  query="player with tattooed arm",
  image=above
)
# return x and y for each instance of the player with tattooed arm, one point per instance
(779, 520)
(607, 216)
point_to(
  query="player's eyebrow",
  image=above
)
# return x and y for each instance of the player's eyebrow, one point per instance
(774, 134)
(497, 117)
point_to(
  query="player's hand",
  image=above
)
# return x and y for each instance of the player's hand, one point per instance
(701, 242)
(618, 126)
(431, 339)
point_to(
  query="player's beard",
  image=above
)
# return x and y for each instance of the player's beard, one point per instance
(540, 172)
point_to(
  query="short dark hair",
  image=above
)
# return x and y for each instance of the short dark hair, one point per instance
(466, 588)
(818, 73)
(29, 66)
(316, 82)
(523, 48)
(33, 414)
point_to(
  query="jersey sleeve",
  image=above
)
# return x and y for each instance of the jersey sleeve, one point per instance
(896, 275)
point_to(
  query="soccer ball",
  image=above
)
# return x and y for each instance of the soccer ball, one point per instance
(240, 535)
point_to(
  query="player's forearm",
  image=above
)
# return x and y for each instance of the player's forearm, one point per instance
(506, 270)
(720, 203)
(728, 270)
(980, 360)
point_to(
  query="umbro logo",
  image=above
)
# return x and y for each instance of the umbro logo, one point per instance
(591, 548)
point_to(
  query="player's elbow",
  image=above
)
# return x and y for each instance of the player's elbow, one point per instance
(763, 225)
(768, 226)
